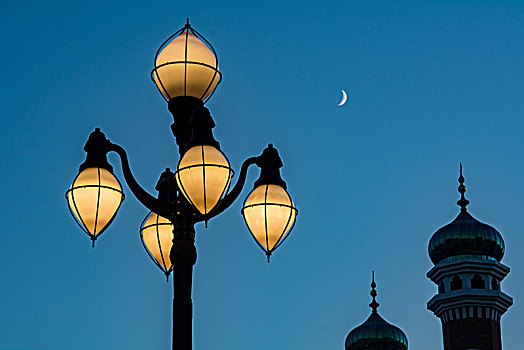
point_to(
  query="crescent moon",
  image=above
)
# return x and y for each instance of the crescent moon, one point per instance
(344, 98)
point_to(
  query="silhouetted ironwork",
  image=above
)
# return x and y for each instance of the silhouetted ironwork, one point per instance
(192, 125)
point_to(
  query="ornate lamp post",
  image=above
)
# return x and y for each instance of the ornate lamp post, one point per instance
(186, 74)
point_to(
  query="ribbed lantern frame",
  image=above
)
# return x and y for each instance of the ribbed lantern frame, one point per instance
(79, 219)
(203, 165)
(154, 73)
(162, 266)
(285, 232)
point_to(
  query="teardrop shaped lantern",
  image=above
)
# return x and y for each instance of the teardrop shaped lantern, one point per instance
(156, 233)
(186, 65)
(270, 215)
(268, 210)
(95, 194)
(203, 176)
(94, 199)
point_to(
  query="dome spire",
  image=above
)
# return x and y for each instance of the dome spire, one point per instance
(373, 305)
(463, 202)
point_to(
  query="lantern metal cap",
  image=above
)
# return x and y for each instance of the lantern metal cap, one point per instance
(166, 186)
(202, 125)
(270, 163)
(96, 147)
(182, 107)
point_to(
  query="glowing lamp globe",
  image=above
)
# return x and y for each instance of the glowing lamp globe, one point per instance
(156, 233)
(94, 199)
(270, 215)
(203, 176)
(186, 65)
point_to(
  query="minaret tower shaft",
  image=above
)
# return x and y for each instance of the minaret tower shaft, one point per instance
(468, 273)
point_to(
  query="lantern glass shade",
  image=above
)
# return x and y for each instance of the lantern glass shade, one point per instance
(203, 176)
(186, 66)
(270, 215)
(156, 233)
(94, 199)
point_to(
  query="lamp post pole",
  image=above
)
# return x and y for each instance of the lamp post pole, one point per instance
(196, 192)
(183, 255)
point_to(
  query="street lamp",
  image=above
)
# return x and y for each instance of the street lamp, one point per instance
(186, 74)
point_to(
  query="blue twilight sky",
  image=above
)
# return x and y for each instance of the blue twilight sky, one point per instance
(430, 83)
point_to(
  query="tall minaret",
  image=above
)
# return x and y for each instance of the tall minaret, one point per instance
(468, 272)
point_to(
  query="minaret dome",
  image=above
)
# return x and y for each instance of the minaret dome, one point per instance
(465, 237)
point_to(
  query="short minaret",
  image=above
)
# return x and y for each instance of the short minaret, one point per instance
(375, 333)
(468, 272)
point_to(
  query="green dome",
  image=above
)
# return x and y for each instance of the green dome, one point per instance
(376, 334)
(465, 237)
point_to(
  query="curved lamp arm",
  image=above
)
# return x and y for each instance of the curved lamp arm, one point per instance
(235, 192)
(155, 205)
